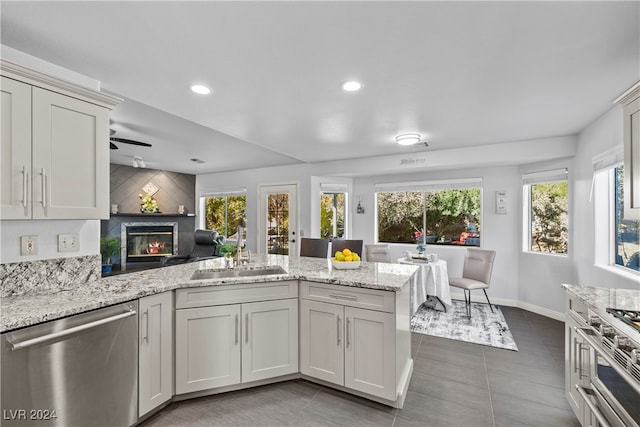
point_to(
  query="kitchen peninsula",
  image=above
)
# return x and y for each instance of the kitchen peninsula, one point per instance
(351, 328)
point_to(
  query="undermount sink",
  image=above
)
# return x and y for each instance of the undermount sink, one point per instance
(222, 274)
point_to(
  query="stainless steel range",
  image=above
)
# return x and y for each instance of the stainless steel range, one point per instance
(612, 352)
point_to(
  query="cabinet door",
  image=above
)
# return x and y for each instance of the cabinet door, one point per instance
(155, 374)
(269, 339)
(575, 367)
(632, 160)
(207, 348)
(370, 342)
(321, 341)
(15, 155)
(70, 157)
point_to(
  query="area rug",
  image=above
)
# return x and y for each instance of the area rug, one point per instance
(484, 327)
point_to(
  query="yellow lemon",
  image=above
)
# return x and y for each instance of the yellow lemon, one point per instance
(338, 253)
(355, 256)
(346, 252)
(348, 258)
(339, 256)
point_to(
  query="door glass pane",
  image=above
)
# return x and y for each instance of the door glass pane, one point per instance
(278, 223)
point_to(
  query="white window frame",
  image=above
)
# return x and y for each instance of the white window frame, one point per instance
(542, 177)
(202, 222)
(338, 188)
(424, 186)
(603, 200)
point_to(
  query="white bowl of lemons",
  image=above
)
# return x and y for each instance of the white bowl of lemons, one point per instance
(345, 260)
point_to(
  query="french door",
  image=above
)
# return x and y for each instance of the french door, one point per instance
(278, 219)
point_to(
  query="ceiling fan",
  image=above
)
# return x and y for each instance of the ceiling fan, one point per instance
(113, 146)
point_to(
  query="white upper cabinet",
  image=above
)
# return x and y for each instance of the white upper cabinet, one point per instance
(630, 100)
(55, 148)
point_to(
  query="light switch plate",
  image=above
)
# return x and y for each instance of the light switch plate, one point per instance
(68, 242)
(28, 245)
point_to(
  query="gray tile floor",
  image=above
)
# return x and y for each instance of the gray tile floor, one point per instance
(454, 384)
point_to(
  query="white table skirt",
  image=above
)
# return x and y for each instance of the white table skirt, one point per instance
(431, 280)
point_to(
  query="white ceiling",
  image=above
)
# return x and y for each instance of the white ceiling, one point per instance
(459, 73)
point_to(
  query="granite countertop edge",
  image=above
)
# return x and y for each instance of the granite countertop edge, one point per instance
(30, 309)
(599, 298)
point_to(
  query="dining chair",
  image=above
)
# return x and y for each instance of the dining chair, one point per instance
(318, 248)
(352, 245)
(476, 274)
(377, 252)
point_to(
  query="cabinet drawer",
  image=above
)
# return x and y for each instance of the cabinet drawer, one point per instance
(370, 299)
(233, 294)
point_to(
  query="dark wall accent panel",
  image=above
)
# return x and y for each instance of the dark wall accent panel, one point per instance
(174, 189)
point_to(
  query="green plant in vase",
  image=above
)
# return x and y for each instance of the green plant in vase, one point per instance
(149, 204)
(109, 247)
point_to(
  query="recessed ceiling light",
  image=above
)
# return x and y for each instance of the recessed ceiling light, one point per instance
(351, 86)
(408, 138)
(200, 89)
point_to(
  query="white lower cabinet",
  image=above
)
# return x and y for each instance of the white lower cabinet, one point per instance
(155, 360)
(349, 346)
(229, 344)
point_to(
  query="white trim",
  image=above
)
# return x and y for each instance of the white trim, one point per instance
(629, 94)
(554, 175)
(332, 187)
(229, 191)
(508, 302)
(445, 184)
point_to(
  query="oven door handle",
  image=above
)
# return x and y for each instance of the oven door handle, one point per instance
(592, 406)
(610, 360)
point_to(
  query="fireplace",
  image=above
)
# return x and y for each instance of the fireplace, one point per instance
(148, 241)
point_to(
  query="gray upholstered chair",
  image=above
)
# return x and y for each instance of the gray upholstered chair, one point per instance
(352, 245)
(378, 252)
(476, 274)
(318, 248)
(206, 244)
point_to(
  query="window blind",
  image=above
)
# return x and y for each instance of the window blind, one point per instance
(608, 160)
(333, 188)
(554, 175)
(224, 192)
(448, 184)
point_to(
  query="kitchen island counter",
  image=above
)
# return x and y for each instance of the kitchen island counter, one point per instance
(33, 308)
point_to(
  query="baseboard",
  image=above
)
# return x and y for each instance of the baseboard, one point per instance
(557, 315)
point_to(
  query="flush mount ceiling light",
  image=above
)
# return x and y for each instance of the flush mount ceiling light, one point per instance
(200, 89)
(351, 86)
(138, 162)
(408, 138)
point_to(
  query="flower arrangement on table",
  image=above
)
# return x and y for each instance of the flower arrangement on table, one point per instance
(420, 240)
(149, 204)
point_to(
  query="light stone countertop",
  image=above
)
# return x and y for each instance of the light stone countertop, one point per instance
(26, 310)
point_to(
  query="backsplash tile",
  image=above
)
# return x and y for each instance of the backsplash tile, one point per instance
(21, 278)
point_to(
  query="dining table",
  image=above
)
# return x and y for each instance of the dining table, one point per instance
(430, 285)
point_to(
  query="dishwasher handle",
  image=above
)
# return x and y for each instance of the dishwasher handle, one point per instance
(37, 340)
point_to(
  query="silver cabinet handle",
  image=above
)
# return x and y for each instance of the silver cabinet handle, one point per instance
(43, 183)
(575, 355)
(145, 318)
(596, 411)
(24, 186)
(237, 329)
(338, 324)
(246, 328)
(347, 332)
(59, 334)
(346, 297)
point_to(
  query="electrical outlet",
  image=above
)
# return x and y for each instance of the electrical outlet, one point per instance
(28, 245)
(68, 242)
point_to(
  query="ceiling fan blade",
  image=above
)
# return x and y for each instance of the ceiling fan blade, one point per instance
(130, 141)
(113, 146)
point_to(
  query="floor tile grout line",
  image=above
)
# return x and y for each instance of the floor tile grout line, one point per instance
(486, 371)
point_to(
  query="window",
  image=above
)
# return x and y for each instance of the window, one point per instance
(433, 213)
(332, 215)
(224, 213)
(546, 196)
(626, 239)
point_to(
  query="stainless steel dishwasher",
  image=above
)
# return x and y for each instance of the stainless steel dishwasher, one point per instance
(77, 371)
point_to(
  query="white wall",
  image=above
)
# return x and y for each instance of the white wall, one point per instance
(47, 232)
(603, 134)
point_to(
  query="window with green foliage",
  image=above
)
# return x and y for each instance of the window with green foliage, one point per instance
(432, 216)
(225, 213)
(547, 212)
(627, 232)
(332, 215)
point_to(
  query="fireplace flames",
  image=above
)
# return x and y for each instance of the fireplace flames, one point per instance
(155, 247)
